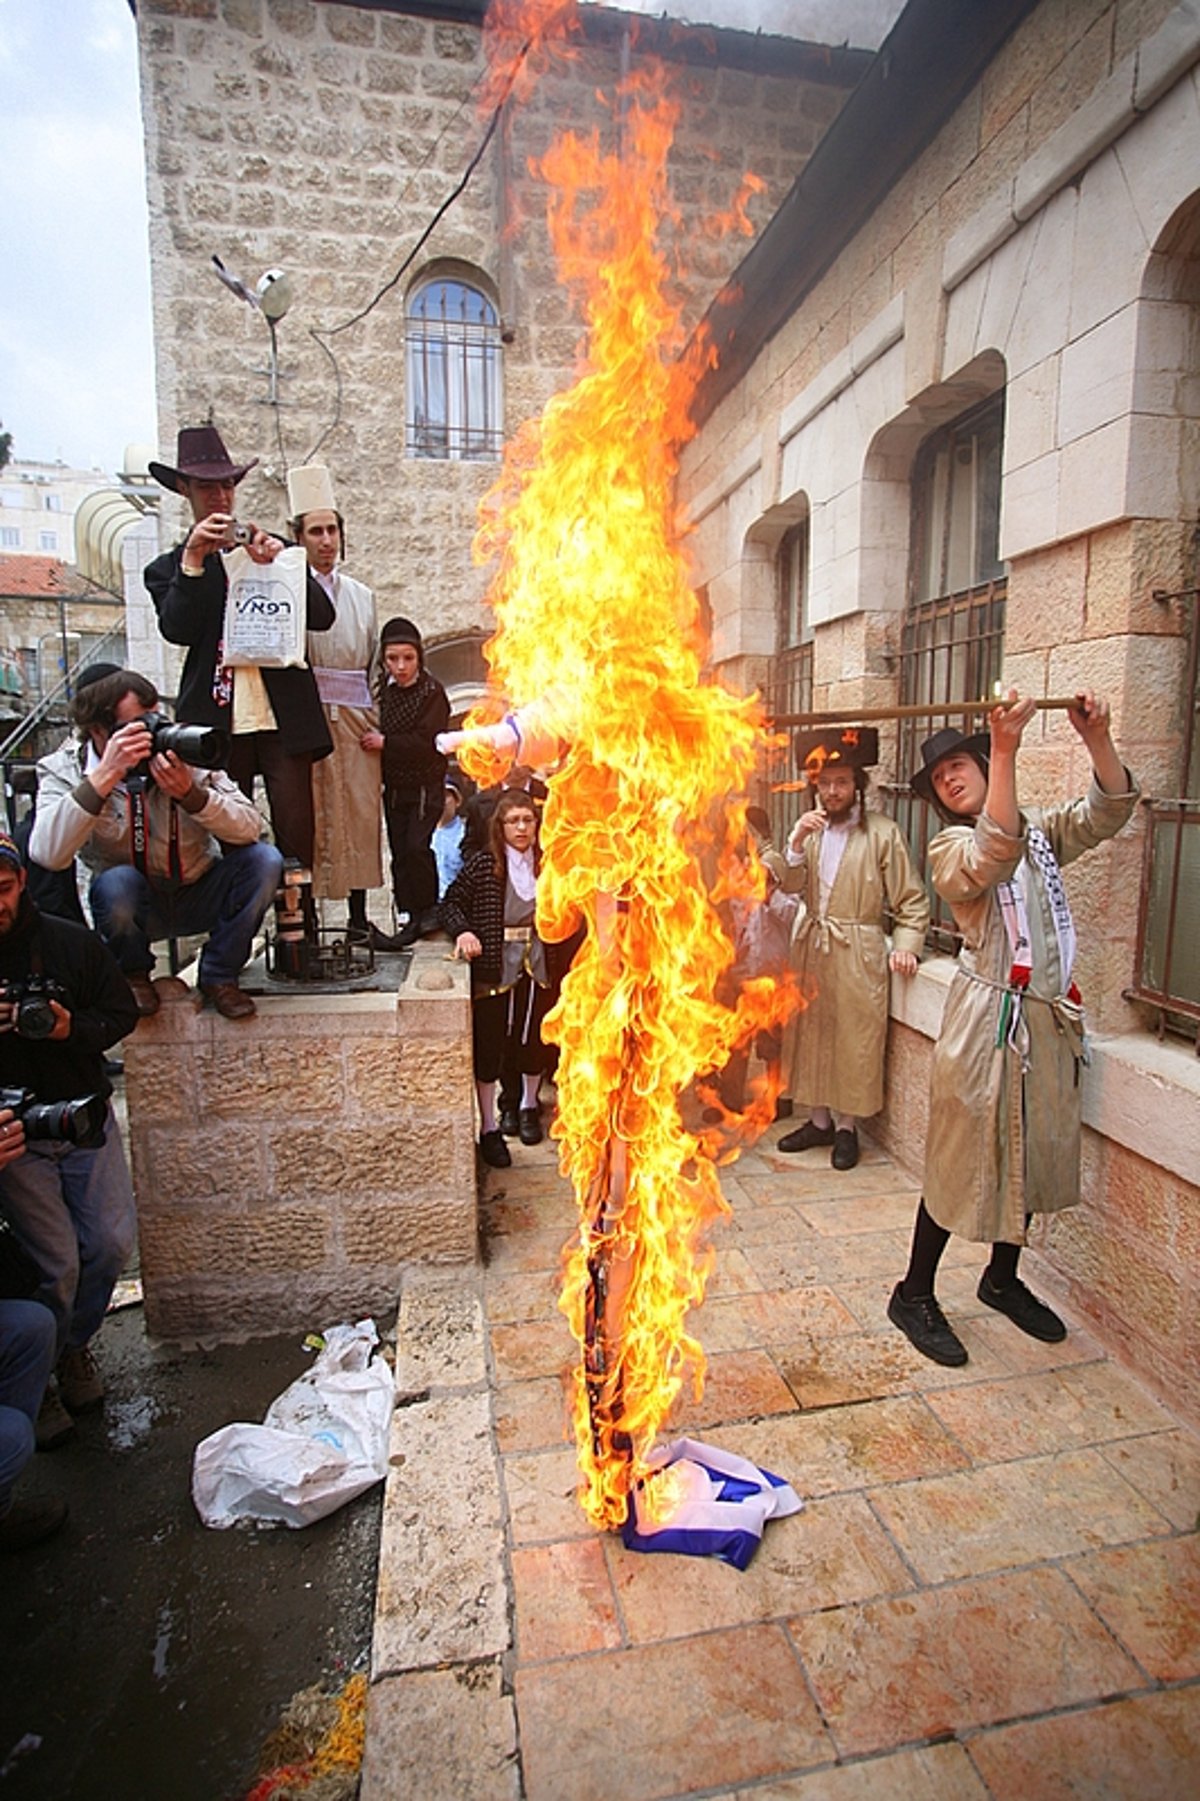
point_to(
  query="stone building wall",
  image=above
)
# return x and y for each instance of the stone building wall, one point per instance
(290, 1168)
(1045, 244)
(321, 138)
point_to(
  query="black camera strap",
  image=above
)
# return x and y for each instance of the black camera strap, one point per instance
(139, 834)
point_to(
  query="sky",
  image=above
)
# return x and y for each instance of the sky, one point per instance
(76, 356)
(76, 364)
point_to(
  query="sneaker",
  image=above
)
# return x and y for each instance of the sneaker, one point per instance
(494, 1151)
(28, 1522)
(806, 1137)
(927, 1329)
(144, 993)
(845, 1148)
(529, 1126)
(54, 1425)
(1023, 1309)
(510, 1122)
(80, 1383)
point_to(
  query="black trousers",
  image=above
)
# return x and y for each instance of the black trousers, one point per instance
(410, 828)
(288, 781)
(506, 1033)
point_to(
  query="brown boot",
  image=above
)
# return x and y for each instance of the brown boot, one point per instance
(229, 1000)
(80, 1383)
(54, 1425)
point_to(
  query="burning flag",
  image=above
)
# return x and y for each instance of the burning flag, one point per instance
(598, 647)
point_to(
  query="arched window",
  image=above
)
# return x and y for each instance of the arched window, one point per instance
(453, 372)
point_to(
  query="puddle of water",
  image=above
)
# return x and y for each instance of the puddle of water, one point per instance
(128, 1423)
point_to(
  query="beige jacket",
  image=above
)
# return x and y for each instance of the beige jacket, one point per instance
(1003, 1140)
(72, 820)
(835, 1047)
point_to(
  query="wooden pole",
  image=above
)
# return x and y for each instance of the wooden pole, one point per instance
(851, 715)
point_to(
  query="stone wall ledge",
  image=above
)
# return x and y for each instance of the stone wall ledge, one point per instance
(1139, 1091)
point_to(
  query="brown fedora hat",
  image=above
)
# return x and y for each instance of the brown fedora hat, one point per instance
(942, 745)
(200, 456)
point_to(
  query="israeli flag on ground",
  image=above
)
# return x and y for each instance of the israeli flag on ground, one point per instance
(718, 1504)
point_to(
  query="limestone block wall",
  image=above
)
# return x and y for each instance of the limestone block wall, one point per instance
(289, 1168)
(322, 138)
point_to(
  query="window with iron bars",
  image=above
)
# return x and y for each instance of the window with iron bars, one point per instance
(952, 637)
(1167, 963)
(791, 679)
(452, 363)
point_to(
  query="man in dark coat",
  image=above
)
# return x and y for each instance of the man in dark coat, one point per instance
(69, 1203)
(188, 586)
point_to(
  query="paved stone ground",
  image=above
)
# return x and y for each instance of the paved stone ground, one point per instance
(993, 1589)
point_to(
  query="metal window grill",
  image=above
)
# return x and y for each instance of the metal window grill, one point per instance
(950, 649)
(790, 689)
(453, 369)
(1167, 961)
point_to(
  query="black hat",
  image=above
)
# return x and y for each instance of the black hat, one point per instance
(942, 745)
(850, 746)
(201, 456)
(400, 631)
(93, 673)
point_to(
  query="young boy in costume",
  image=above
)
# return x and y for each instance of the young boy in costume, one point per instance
(1003, 1138)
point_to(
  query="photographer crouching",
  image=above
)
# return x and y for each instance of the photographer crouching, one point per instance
(64, 1182)
(175, 850)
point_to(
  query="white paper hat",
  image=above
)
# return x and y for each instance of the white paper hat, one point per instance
(310, 490)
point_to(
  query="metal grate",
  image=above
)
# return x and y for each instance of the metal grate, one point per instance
(950, 649)
(790, 691)
(453, 370)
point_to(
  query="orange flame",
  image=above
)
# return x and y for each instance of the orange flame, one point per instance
(598, 625)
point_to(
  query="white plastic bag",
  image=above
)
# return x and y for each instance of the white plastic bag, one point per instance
(266, 608)
(323, 1441)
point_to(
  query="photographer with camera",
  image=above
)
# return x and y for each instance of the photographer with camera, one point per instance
(274, 716)
(64, 1182)
(175, 850)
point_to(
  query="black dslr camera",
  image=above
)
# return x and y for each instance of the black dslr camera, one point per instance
(79, 1122)
(33, 1016)
(203, 746)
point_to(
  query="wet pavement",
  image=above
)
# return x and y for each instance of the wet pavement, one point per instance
(151, 1655)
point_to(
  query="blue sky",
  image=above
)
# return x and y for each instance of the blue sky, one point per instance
(76, 364)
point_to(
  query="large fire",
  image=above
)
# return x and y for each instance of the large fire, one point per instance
(598, 631)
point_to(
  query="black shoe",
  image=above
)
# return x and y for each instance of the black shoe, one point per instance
(28, 1522)
(806, 1137)
(494, 1151)
(379, 940)
(845, 1148)
(407, 936)
(510, 1122)
(925, 1326)
(530, 1126)
(1022, 1308)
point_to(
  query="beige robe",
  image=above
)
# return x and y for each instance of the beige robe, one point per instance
(1003, 1140)
(348, 786)
(834, 1053)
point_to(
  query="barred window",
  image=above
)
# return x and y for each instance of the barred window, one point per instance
(1167, 968)
(952, 637)
(791, 679)
(453, 372)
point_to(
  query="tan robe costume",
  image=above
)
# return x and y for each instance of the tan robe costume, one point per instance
(835, 1054)
(1003, 1141)
(347, 787)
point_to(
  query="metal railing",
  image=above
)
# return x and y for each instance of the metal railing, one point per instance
(60, 691)
(1167, 962)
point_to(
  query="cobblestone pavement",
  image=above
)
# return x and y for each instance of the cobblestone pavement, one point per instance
(993, 1589)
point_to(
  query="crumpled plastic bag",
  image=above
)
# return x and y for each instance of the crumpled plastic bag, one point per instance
(323, 1441)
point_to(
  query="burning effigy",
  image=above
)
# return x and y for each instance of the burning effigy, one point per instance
(597, 663)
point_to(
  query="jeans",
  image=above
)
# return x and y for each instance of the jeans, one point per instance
(73, 1211)
(26, 1359)
(228, 902)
